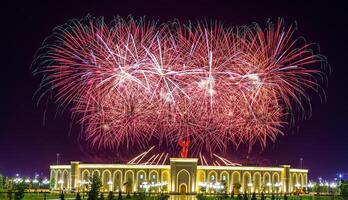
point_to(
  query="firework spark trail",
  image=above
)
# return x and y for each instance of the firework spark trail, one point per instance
(134, 81)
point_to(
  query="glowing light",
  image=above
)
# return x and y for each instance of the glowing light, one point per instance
(333, 185)
(45, 181)
(310, 185)
(17, 179)
(134, 82)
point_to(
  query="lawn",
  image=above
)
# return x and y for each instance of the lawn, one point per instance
(70, 196)
(67, 196)
(289, 197)
(37, 196)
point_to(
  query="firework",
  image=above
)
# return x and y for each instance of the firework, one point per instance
(134, 81)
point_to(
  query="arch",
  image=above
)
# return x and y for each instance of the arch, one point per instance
(66, 180)
(85, 176)
(153, 176)
(294, 181)
(276, 182)
(165, 176)
(212, 179)
(59, 179)
(266, 181)
(225, 180)
(212, 176)
(246, 182)
(300, 180)
(165, 179)
(257, 182)
(183, 188)
(200, 176)
(141, 177)
(53, 178)
(129, 180)
(183, 177)
(117, 180)
(235, 180)
(106, 177)
(96, 172)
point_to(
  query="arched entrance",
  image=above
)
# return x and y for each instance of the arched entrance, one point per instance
(183, 188)
(183, 180)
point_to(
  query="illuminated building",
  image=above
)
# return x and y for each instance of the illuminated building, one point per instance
(181, 175)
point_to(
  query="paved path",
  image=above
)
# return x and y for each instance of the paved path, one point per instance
(182, 197)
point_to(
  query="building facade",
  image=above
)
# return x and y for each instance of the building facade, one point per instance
(181, 176)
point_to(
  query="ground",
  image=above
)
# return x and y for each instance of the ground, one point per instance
(55, 196)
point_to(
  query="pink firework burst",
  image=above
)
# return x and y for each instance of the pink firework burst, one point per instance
(136, 81)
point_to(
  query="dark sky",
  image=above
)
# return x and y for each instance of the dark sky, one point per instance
(27, 145)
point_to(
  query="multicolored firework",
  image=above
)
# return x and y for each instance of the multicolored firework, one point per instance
(135, 81)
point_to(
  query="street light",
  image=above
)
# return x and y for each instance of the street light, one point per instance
(45, 181)
(61, 183)
(110, 185)
(310, 185)
(297, 185)
(269, 185)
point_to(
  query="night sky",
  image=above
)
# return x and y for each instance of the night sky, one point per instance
(29, 140)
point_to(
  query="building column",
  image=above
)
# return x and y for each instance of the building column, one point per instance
(74, 175)
(285, 178)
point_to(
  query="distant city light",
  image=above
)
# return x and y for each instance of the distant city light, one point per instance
(45, 181)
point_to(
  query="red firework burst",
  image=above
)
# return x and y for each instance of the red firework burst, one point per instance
(135, 81)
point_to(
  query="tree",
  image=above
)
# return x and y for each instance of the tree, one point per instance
(52, 183)
(285, 197)
(344, 188)
(232, 194)
(95, 187)
(129, 184)
(19, 194)
(239, 196)
(253, 197)
(62, 196)
(101, 196)
(8, 183)
(237, 187)
(272, 197)
(111, 196)
(262, 196)
(119, 195)
(1, 182)
(245, 196)
(78, 197)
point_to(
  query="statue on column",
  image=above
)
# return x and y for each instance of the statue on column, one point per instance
(184, 143)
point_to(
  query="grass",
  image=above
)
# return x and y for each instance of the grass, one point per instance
(281, 197)
(51, 196)
(67, 196)
(38, 196)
